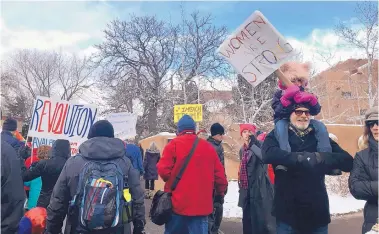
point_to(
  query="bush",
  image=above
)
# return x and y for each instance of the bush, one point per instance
(338, 184)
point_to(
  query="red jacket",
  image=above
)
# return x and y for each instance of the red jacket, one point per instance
(193, 195)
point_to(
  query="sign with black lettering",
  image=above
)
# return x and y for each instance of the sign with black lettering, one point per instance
(256, 49)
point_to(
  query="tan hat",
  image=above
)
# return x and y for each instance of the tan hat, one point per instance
(372, 114)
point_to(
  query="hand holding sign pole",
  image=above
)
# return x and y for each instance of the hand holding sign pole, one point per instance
(256, 49)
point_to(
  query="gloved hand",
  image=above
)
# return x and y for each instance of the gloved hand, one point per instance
(309, 160)
(219, 200)
(139, 227)
(289, 94)
(305, 97)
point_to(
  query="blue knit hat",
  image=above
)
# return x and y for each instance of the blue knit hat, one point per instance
(186, 123)
(25, 226)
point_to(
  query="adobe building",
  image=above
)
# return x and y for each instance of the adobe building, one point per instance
(343, 91)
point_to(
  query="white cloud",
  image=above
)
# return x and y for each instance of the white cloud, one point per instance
(323, 48)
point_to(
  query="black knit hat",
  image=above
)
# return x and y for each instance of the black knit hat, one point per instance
(216, 129)
(102, 128)
(10, 125)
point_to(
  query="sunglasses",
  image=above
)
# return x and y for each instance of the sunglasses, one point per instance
(372, 123)
(301, 112)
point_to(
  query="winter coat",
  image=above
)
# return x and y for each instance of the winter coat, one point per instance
(281, 112)
(150, 161)
(259, 196)
(8, 137)
(133, 152)
(363, 182)
(49, 170)
(12, 189)
(217, 145)
(97, 148)
(193, 195)
(301, 199)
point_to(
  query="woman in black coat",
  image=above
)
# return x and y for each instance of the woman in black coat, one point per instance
(49, 170)
(150, 161)
(363, 180)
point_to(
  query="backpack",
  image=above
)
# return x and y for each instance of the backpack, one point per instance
(102, 199)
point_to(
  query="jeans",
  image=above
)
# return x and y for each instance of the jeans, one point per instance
(214, 219)
(283, 228)
(180, 224)
(322, 136)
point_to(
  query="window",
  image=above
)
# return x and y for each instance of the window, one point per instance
(346, 94)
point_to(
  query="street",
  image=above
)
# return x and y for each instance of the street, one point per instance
(348, 224)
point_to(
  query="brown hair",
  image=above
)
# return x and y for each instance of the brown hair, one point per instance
(43, 152)
(366, 134)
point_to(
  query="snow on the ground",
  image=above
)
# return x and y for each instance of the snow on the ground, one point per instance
(338, 204)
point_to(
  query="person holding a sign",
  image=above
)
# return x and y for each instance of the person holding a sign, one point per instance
(288, 95)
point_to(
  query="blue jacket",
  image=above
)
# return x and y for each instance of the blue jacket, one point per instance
(35, 189)
(133, 152)
(8, 137)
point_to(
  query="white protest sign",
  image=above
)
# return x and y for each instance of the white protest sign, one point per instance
(124, 124)
(256, 49)
(57, 119)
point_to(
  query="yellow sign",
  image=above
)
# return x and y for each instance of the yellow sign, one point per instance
(193, 110)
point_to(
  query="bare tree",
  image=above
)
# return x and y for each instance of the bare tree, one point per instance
(364, 38)
(29, 73)
(140, 52)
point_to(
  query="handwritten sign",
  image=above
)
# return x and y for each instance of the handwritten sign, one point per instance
(193, 110)
(57, 119)
(37, 142)
(124, 124)
(256, 49)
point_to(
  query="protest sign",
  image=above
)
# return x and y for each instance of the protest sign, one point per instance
(57, 119)
(193, 110)
(256, 49)
(37, 142)
(124, 124)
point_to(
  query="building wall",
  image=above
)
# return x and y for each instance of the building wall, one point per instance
(342, 91)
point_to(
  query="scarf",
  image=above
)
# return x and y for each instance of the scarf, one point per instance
(298, 132)
(243, 169)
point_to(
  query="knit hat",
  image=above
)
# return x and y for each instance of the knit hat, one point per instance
(10, 125)
(186, 123)
(249, 127)
(102, 128)
(217, 129)
(372, 114)
(34, 221)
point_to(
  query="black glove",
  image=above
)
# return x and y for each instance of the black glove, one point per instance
(309, 160)
(139, 227)
(219, 199)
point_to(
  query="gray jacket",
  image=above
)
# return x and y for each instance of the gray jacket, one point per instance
(98, 148)
(217, 145)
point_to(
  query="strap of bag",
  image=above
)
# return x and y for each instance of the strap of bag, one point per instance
(179, 176)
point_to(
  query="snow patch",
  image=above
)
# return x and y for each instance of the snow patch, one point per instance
(337, 203)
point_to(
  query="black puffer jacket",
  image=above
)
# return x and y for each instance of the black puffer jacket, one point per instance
(49, 170)
(363, 182)
(217, 145)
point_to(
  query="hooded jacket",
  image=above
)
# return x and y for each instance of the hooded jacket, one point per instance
(152, 157)
(49, 170)
(12, 189)
(97, 148)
